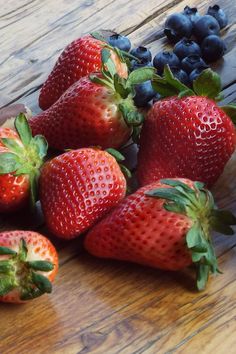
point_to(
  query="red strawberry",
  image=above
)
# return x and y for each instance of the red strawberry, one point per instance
(185, 137)
(94, 111)
(21, 157)
(28, 265)
(78, 188)
(80, 58)
(168, 233)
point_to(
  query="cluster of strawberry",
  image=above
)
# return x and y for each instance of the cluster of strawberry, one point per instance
(184, 141)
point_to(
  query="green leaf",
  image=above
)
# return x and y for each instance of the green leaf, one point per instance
(23, 129)
(225, 216)
(131, 116)
(136, 134)
(6, 251)
(6, 266)
(23, 250)
(9, 162)
(194, 237)
(100, 81)
(140, 75)
(98, 36)
(202, 276)
(207, 84)
(126, 172)
(168, 85)
(43, 266)
(29, 294)
(41, 144)
(120, 86)
(33, 189)
(176, 183)
(165, 193)
(7, 284)
(107, 63)
(12, 145)
(230, 110)
(116, 154)
(41, 282)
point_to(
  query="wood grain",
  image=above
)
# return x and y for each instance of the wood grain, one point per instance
(103, 306)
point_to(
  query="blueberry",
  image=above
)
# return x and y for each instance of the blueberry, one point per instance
(163, 58)
(219, 15)
(192, 62)
(178, 26)
(119, 41)
(144, 94)
(195, 73)
(136, 65)
(192, 13)
(206, 26)
(186, 47)
(181, 75)
(142, 53)
(213, 48)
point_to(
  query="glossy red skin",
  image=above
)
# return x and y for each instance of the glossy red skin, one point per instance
(80, 58)
(39, 248)
(140, 230)
(86, 115)
(78, 188)
(14, 190)
(189, 137)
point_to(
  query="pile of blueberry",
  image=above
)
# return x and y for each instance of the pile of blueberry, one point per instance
(197, 44)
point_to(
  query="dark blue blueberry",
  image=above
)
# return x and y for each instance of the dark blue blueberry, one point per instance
(156, 98)
(181, 75)
(136, 65)
(119, 41)
(219, 15)
(206, 26)
(186, 47)
(178, 26)
(192, 62)
(213, 48)
(142, 53)
(192, 13)
(195, 73)
(144, 94)
(164, 58)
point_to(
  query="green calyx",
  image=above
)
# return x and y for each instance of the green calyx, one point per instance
(123, 89)
(120, 158)
(25, 157)
(18, 273)
(197, 203)
(207, 84)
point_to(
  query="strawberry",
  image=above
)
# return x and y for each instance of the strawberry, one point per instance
(21, 157)
(185, 137)
(80, 58)
(28, 265)
(78, 188)
(166, 225)
(96, 110)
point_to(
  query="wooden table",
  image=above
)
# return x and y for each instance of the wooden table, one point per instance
(103, 306)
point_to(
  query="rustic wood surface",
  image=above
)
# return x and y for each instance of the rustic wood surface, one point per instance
(103, 306)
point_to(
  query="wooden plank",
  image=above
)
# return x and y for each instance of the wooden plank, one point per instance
(35, 65)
